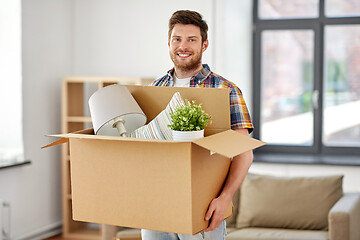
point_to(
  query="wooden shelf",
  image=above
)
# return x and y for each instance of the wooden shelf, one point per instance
(104, 81)
(76, 92)
(83, 119)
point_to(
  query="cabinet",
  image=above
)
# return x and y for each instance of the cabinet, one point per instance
(76, 116)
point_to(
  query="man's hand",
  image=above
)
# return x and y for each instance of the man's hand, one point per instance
(216, 212)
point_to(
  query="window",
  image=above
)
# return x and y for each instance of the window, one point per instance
(306, 76)
(341, 86)
(11, 145)
(282, 9)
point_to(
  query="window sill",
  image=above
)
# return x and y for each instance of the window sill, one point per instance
(14, 164)
(341, 160)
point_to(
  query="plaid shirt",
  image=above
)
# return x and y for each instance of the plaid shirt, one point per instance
(240, 117)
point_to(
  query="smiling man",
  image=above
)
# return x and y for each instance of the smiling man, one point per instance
(187, 42)
(186, 48)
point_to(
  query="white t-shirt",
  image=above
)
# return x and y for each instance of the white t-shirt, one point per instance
(185, 82)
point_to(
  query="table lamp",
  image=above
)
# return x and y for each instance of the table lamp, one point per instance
(115, 112)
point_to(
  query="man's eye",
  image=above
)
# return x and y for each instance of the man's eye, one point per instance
(192, 40)
(176, 39)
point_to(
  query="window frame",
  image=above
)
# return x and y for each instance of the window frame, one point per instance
(317, 24)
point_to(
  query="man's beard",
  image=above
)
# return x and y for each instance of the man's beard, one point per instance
(186, 66)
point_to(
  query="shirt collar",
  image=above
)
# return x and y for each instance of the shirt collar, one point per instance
(197, 79)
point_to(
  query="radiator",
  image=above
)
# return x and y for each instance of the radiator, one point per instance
(4, 221)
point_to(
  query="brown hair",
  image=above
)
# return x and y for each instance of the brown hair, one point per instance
(189, 17)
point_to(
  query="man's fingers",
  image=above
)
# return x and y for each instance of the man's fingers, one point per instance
(211, 227)
(215, 216)
(215, 223)
(209, 212)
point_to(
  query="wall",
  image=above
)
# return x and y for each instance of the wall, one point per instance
(125, 38)
(233, 38)
(128, 38)
(351, 180)
(34, 190)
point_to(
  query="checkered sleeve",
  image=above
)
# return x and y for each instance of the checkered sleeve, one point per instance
(240, 117)
(157, 82)
(163, 81)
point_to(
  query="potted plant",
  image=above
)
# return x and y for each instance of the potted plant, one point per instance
(189, 121)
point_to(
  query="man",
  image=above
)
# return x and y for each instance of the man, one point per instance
(187, 41)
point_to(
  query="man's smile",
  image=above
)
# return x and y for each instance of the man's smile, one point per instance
(184, 55)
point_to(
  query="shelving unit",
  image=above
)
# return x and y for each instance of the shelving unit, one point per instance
(75, 116)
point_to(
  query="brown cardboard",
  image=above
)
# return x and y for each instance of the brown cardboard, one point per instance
(154, 184)
(215, 102)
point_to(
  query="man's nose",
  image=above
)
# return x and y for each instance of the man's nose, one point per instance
(183, 46)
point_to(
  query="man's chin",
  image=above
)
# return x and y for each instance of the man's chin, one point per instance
(187, 67)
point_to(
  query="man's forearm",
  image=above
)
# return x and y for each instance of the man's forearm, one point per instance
(237, 173)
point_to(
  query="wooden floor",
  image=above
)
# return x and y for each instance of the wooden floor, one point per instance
(58, 237)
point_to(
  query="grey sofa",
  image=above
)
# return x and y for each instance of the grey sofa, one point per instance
(343, 224)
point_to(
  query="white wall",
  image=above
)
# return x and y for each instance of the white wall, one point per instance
(351, 180)
(128, 38)
(34, 190)
(233, 38)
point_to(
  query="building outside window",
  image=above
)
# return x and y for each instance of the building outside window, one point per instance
(307, 76)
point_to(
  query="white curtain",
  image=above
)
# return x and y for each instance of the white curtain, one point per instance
(11, 140)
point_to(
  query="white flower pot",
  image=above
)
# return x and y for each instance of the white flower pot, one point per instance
(187, 136)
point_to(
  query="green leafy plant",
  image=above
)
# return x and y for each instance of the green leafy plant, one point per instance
(190, 117)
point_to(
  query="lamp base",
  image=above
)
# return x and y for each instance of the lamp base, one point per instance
(119, 124)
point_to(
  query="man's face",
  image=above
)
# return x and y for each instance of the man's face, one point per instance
(186, 47)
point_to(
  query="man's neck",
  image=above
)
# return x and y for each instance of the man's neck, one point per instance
(181, 74)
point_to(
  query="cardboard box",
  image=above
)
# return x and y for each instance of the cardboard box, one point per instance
(154, 184)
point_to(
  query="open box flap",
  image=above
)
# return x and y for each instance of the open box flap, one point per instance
(89, 134)
(229, 143)
(64, 138)
(57, 142)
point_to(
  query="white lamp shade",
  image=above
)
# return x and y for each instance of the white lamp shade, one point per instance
(111, 102)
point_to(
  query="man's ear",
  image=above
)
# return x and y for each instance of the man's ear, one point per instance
(205, 45)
